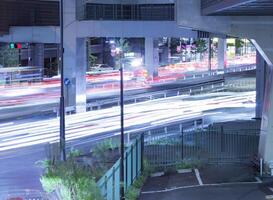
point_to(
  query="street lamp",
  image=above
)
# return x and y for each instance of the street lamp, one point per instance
(121, 127)
(62, 106)
(117, 51)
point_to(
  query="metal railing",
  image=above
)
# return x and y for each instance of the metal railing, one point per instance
(204, 145)
(110, 183)
(213, 86)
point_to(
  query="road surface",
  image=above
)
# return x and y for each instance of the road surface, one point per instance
(23, 144)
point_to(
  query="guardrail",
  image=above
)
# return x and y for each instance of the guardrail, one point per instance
(214, 86)
(186, 76)
(189, 122)
(241, 68)
(197, 88)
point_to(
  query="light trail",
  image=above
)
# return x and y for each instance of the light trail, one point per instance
(154, 112)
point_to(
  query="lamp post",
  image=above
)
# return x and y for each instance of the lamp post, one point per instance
(62, 106)
(117, 51)
(121, 128)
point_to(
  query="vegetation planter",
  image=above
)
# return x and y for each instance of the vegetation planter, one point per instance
(157, 174)
(183, 171)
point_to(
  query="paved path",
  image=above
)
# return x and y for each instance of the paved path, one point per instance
(222, 182)
(221, 192)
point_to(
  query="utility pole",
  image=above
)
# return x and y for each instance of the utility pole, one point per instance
(62, 106)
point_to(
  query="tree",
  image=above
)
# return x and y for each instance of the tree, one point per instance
(123, 46)
(175, 42)
(239, 43)
(91, 59)
(9, 57)
(201, 46)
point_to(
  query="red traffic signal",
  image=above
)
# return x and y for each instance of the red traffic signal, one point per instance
(15, 45)
(19, 46)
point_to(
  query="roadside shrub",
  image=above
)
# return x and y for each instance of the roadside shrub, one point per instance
(184, 165)
(70, 181)
(134, 190)
(102, 148)
(132, 193)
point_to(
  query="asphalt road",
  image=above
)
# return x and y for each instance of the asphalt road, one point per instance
(215, 182)
(44, 102)
(40, 102)
(23, 144)
(221, 192)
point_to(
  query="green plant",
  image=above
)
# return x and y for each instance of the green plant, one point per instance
(45, 164)
(134, 190)
(70, 181)
(123, 44)
(92, 59)
(101, 149)
(201, 46)
(9, 57)
(98, 171)
(184, 165)
(74, 153)
(132, 193)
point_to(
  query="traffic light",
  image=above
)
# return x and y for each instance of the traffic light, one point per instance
(15, 45)
(12, 46)
(19, 46)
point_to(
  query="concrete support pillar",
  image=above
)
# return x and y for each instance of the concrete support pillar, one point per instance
(210, 53)
(266, 135)
(30, 55)
(264, 45)
(151, 56)
(260, 84)
(75, 60)
(39, 57)
(166, 53)
(222, 52)
(81, 67)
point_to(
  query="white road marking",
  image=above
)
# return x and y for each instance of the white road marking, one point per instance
(258, 179)
(269, 197)
(197, 174)
(196, 186)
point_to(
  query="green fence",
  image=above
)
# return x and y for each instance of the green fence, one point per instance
(208, 146)
(110, 183)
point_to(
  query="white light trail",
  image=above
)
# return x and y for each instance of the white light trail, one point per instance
(96, 122)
